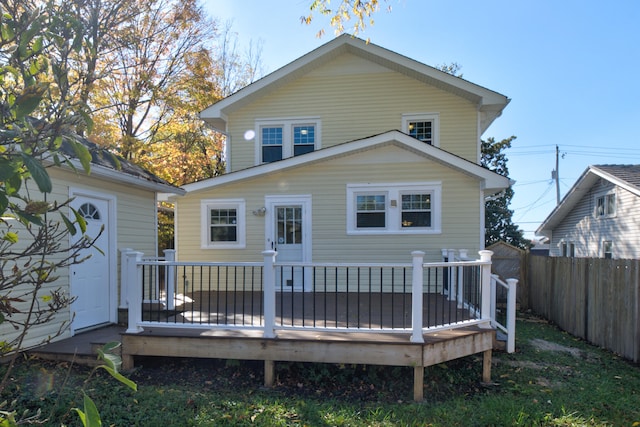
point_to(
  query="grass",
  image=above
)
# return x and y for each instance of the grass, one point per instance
(553, 379)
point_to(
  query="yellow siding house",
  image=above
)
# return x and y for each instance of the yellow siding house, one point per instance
(351, 153)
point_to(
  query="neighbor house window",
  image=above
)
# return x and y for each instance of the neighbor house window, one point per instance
(563, 249)
(606, 205)
(394, 208)
(607, 249)
(280, 139)
(422, 126)
(222, 222)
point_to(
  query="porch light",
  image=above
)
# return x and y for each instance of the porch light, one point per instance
(260, 211)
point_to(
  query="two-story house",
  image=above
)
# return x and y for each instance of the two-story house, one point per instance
(598, 218)
(350, 153)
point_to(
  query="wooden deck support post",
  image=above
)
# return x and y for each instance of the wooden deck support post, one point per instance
(269, 277)
(416, 296)
(269, 373)
(486, 366)
(170, 279)
(134, 291)
(418, 383)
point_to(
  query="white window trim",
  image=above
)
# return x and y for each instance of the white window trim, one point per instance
(393, 214)
(287, 134)
(205, 206)
(595, 204)
(423, 117)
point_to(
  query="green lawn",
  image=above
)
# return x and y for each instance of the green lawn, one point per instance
(552, 380)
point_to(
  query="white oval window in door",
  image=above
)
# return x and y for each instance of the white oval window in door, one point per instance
(89, 211)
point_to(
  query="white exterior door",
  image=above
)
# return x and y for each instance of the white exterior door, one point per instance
(288, 228)
(91, 280)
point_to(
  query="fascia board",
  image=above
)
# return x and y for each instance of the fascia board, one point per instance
(123, 178)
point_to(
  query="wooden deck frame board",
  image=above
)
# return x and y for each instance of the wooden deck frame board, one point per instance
(319, 347)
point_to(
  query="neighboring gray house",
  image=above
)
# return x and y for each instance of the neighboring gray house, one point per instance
(599, 217)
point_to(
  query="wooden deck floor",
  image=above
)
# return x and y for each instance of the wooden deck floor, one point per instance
(323, 310)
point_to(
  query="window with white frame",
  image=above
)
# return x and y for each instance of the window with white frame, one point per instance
(607, 249)
(223, 223)
(422, 126)
(605, 205)
(394, 208)
(279, 139)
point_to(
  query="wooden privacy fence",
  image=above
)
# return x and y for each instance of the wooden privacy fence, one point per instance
(592, 298)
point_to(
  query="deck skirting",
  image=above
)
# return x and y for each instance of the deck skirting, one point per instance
(313, 346)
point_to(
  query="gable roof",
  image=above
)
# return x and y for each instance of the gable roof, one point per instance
(112, 167)
(492, 182)
(489, 103)
(625, 176)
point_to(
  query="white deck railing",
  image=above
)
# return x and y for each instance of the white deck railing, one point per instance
(473, 292)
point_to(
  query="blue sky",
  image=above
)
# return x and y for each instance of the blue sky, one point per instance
(571, 69)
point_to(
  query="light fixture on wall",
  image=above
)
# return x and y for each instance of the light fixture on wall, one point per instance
(260, 211)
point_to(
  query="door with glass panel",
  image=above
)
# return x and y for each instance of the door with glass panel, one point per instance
(289, 238)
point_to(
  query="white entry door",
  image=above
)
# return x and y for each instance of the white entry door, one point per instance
(90, 280)
(289, 220)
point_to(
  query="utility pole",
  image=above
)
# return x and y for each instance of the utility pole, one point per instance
(557, 175)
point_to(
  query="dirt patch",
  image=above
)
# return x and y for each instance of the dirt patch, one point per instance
(541, 344)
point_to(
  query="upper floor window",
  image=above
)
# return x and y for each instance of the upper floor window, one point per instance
(424, 126)
(280, 139)
(393, 208)
(605, 205)
(222, 223)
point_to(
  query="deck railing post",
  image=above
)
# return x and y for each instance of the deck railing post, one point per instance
(134, 291)
(494, 292)
(416, 296)
(269, 291)
(485, 286)
(124, 286)
(170, 278)
(511, 315)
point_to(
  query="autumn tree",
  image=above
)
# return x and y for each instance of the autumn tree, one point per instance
(499, 224)
(343, 12)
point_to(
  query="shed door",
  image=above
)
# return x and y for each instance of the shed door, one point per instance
(90, 280)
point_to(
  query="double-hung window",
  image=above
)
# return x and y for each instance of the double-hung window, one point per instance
(283, 138)
(606, 205)
(412, 208)
(422, 126)
(222, 223)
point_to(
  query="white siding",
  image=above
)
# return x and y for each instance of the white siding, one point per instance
(587, 232)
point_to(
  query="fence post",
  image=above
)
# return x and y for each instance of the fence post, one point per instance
(269, 291)
(511, 315)
(485, 305)
(170, 278)
(134, 291)
(124, 285)
(416, 296)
